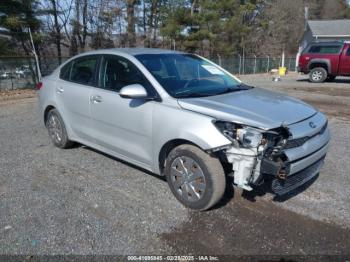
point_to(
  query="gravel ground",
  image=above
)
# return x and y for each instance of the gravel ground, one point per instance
(79, 201)
(333, 98)
(74, 201)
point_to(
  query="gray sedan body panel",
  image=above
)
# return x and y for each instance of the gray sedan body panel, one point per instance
(172, 122)
(255, 107)
(123, 125)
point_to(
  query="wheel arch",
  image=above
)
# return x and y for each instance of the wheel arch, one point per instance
(166, 149)
(324, 63)
(46, 112)
(171, 144)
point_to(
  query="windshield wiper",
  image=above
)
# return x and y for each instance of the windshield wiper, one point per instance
(194, 94)
(188, 93)
(237, 88)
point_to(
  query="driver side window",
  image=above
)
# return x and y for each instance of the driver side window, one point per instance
(117, 72)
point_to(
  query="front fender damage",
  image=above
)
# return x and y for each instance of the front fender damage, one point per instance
(250, 164)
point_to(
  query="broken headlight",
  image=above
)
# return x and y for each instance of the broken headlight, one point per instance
(246, 136)
(249, 137)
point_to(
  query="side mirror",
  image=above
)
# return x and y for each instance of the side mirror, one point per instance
(133, 91)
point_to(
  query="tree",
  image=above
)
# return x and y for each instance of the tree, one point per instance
(131, 20)
(58, 14)
(16, 18)
(211, 27)
(57, 29)
(79, 27)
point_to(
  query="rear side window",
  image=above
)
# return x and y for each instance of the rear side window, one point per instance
(348, 52)
(65, 71)
(325, 49)
(82, 70)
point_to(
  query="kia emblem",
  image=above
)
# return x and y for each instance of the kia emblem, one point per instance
(312, 125)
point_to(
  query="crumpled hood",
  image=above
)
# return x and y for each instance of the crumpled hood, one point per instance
(254, 107)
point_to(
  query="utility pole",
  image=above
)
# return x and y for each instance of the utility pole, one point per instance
(306, 13)
(254, 64)
(35, 55)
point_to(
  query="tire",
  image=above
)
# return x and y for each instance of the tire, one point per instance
(57, 130)
(330, 78)
(203, 186)
(318, 75)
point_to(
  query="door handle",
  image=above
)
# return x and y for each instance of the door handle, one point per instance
(95, 99)
(59, 90)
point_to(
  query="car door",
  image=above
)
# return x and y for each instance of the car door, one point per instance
(344, 67)
(121, 125)
(73, 91)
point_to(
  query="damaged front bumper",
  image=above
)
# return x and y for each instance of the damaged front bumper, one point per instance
(301, 159)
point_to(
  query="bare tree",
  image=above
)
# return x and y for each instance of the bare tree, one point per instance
(57, 30)
(131, 19)
(58, 14)
(152, 22)
(79, 27)
(58, 17)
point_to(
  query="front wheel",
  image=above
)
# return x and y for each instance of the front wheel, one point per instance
(318, 75)
(196, 179)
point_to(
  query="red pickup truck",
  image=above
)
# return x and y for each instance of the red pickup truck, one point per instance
(324, 61)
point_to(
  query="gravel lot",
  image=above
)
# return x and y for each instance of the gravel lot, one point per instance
(79, 201)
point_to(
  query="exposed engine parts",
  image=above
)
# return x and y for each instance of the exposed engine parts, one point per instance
(266, 157)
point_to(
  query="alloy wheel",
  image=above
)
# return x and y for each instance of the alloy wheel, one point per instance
(317, 75)
(55, 128)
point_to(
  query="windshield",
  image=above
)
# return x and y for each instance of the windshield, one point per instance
(185, 75)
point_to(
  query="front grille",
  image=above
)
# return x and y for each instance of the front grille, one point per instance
(281, 187)
(296, 142)
(300, 141)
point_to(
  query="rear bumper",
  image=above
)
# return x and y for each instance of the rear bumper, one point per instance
(302, 70)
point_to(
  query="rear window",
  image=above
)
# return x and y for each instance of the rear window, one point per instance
(83, 70)
(65, 71)
(348, 52)
(324, 49)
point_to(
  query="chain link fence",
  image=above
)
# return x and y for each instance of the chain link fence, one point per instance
(20, 72)
(254, 65)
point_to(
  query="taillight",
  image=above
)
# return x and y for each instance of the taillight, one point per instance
(39, 85)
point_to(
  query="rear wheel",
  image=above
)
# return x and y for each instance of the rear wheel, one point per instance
(57, 130)
(196, 179)
(318, 75)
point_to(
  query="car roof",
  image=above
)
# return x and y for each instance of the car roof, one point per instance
(134, 51)
(328, 43)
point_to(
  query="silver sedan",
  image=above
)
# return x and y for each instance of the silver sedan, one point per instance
(184, 117)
